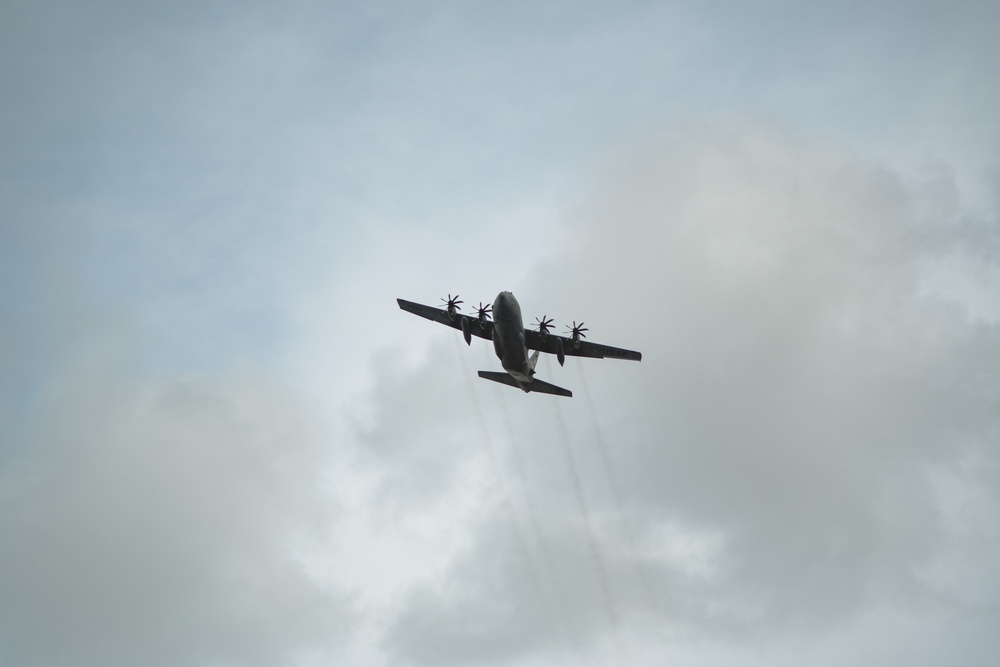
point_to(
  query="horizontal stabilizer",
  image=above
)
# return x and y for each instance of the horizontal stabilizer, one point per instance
(535, 385)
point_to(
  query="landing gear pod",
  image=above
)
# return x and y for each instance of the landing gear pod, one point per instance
(467, 331)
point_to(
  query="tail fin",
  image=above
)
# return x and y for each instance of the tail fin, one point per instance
(535, 385)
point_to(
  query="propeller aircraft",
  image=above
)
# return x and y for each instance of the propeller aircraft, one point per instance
(502, 324)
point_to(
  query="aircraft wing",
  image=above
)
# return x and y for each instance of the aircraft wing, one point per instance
(482, 329)
(550, 343)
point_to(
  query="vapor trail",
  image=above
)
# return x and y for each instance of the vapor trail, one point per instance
(519, 465)
(602, 446)
(602, 573)
(534, 525)
(500, 480)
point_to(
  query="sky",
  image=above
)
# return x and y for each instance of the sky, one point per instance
(223, 444)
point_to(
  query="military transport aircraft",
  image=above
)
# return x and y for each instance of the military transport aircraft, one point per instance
(511, 340)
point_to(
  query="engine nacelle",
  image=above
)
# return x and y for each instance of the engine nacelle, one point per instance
(560, 352)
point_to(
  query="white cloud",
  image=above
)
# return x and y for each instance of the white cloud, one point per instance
(800, 468)
(162, 525)
(800, 394)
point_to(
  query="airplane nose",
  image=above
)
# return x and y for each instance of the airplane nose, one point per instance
(500, 304)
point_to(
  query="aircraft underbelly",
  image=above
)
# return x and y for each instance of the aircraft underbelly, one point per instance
(509, 330)
(520, 377)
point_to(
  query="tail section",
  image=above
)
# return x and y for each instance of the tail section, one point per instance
(546, 388)
(535, 385)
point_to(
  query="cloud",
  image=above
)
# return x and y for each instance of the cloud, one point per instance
(806, 446)
(165, 523)
(799, 386)
(779, 449)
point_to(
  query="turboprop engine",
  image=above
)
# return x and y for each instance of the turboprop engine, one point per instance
(576, 333)
(483, 314)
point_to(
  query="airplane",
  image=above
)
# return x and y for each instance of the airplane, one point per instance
(511, 341)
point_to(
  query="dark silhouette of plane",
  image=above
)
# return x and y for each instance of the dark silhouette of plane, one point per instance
(511, 341)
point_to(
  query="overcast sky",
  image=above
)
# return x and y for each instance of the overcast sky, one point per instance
(222, 443)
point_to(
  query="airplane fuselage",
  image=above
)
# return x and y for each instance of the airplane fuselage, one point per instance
(508, 337)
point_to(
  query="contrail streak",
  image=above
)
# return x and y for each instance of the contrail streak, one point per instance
(535, 528)
(602, 447)
(602, 573)
(539, 582)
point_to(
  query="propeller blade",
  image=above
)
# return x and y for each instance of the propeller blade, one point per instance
(576, 331)
(543, 323)
(451, 303)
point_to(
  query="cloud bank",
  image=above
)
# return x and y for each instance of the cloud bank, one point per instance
(809, 440)
(164, 524)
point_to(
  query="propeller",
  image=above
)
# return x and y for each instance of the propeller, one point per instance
(576, 331)
(451, 304)
(543, 325)
(483, 314)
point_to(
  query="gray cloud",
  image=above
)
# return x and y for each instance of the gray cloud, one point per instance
(148, 516)
(804, 460)
(163, 523)
(799, 387)
(780, 445)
